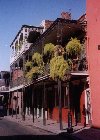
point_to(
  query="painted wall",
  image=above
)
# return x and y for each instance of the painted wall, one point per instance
(93, 55)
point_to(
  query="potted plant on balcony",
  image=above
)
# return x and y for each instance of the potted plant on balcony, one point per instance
(48, 52)
(33, 74)
(58, 50)
(28, 65)
(58, 67)
(74, 48)
(37, 59)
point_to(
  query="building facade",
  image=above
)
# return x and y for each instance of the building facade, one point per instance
(93, 54)
(44, 97)
(4, 89)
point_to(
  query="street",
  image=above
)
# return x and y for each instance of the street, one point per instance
(13, 130)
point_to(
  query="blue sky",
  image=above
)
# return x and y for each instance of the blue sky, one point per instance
(15, 13)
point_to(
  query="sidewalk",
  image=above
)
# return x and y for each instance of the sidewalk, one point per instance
(51, 126)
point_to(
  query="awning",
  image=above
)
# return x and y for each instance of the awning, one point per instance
(80, 73)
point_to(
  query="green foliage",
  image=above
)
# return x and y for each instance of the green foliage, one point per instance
(58, 67)
(49, 48)
(70, 63)
(73, 47)
(37, 58)
(28, 64)
(34, 70)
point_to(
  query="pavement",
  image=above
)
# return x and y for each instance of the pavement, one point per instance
(51, 126)
(79, 132)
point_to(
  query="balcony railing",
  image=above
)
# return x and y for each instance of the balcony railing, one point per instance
(77, 66)
(4, 89)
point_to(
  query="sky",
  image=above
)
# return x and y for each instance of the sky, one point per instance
(15, 13)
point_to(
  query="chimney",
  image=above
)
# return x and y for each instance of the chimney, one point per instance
(66, 15)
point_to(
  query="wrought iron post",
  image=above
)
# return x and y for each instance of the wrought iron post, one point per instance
(44, 118)
(23, 104)
(33, 103)
(60, 104)
(69, 129)
(16, 105)
(12, 103)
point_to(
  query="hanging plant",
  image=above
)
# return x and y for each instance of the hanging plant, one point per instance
(49, 48)
(37, 59)
(58, 50)
(48, 52)
(32, 73)
(58, 67)
(28, 65)
(70, 63)
(74, 47)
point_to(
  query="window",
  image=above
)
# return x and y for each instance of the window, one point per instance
(25, 30)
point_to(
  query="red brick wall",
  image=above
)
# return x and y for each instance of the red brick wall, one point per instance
(17, 73)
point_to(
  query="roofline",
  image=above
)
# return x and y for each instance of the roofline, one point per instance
(52, 25)
(23, 26)
(81, 16)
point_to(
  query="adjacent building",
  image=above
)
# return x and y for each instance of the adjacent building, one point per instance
(4, 88)
(93, 55)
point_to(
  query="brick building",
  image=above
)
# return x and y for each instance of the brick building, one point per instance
(93, 55)
(40, 96)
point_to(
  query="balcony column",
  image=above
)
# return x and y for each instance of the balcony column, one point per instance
(60, 104)
(18, 43)
(12, 102)
(16, 104)
(59, 33)
(33, 102)
(44, 105)
(23, 103)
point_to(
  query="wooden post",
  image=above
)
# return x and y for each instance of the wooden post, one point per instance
(60, 104)
(23, 104)
(22, 101)
(8, 113)
(68, 95)
(12, 103)
(16, 104)
(33, 103)
(44, 118)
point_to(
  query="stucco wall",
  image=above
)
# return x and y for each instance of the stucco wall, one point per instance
(93, 55)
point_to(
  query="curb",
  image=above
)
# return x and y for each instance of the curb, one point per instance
(70, 136)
